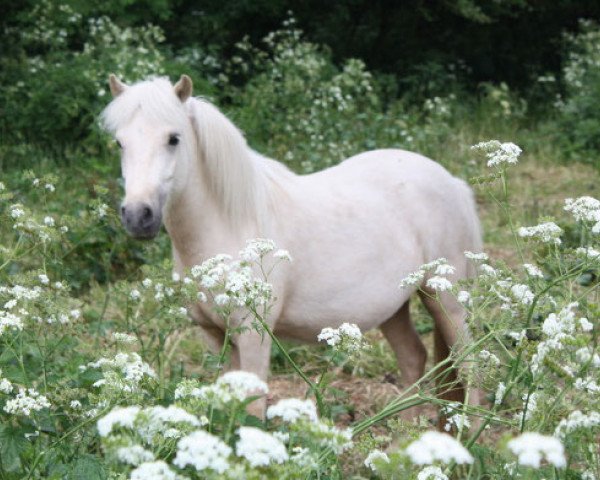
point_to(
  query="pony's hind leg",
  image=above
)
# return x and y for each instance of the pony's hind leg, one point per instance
(450, 331)
(410, 352)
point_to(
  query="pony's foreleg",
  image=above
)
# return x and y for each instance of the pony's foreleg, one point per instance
(410, 352)
(252, 353)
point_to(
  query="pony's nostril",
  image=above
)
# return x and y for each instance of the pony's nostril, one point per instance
(147, 213)
(122, 209)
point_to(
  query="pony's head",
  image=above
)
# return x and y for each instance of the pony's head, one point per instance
(154, 132)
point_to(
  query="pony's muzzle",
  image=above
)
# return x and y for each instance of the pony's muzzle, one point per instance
(141, 220)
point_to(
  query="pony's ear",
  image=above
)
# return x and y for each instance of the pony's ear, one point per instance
(183, 88)
(117, 87)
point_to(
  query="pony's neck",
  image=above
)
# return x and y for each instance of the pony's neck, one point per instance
(223, 197)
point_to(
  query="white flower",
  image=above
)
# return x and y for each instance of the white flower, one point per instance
(547, 232)
(290, 410)
(500, 392)
(26, 401)
(499, 153)
(487, 356)
(589, 253)
(202, 451)
(147, 283)
(347, 338)
(434, 446)
(243, 384)
(16, 211)
(522, 294)
(431, 473)
(49, 221)
(134, 455)
(584, 209)
(44, 280)
(487, 270)
(464, 298)
(9, 321)
(577, 420)
(586, 325)
(49, 187)
(158, 470)
(375, 456)
(124, 338)
(531, 447)
(5, 386)
(118, 416)
(330, 436)
(75, 404)
(413, 279)
(439, 284)
(283, 255)
(135, 294)
(260, 448)
(458, 420)
(479, 257)
(533, 270)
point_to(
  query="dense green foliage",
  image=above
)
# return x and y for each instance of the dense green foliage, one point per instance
(55, 57)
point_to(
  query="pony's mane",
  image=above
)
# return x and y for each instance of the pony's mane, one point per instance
(233, 174)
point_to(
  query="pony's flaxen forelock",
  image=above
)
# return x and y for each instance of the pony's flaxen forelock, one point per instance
(155, 98)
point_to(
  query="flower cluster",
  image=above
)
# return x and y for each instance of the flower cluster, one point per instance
(585, 209)
(437, 282)
(234, 283)
(499, 154)
(233, 386)
(531, 447)
(347, 338)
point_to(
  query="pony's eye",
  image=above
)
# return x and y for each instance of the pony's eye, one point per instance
(119, 144)
(173, 139)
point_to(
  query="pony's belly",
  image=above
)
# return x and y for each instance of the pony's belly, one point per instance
(304, 320)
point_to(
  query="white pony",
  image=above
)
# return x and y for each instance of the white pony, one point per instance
(354, 230)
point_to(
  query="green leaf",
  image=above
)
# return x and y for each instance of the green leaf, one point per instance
(87, 467)
(12, 445)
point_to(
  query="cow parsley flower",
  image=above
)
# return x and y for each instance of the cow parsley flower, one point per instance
(202, 451)
(290, 410)
(233, 386)
(374, 457)
(347, 338)
(522, 294)
(124, 338)
(158, 470)
(499, 153)
(119, 417)
(439, 284)
(26, 401)
(585, 209)
(431, 473)
(330, 436)
(260, 448)
(533, 270)
(532, 447)
(9, 321)
(487, 356)
(434, 446)
(477, 257)
(134, 455)
(575, 421)
(588, 253)
(547, 232)
(500, 392)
